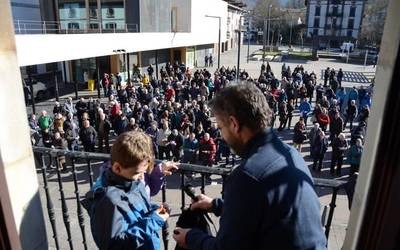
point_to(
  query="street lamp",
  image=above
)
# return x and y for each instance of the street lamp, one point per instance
(269, 25)
(219, 38)
(290, 34)
(239, 44)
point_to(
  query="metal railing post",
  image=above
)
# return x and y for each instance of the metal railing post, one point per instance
(90, 170)
(165, 229)
(64, 206)
(19, 27)
(50, 207)
(78, 203)
(44, 27)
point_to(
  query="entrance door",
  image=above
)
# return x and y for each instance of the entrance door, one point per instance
(177, 56)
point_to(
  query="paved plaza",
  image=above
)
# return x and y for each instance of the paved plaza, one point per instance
(229, 58)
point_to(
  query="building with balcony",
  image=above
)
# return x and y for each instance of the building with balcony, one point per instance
(73, 38)
(332, 22)
(233, 22)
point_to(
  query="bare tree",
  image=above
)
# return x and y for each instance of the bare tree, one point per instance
(373, 22)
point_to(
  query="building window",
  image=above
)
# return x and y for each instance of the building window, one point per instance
(315, 32)
(316, 22)
(110, 13)
(93, 13)
(335, 10)
(113, 14)
(50, 67)
(317, 10)
(111, 26)
(351, 24)
(352, 11)
(94, 26)
(71, 12)
(349, 33)
(336, 2)
(73, 26)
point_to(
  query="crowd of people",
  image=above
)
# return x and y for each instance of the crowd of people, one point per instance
(174, 112)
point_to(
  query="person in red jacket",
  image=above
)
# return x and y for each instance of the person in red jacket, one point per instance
(169, 93)
(207, 151)
(323, 119)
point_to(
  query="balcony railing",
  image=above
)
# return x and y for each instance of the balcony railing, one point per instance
(46, 157)
(53, 27)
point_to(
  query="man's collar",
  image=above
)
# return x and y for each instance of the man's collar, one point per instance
(262, 137)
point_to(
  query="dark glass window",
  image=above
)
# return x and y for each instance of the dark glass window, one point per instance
(316, 22)
(72, 14)
(318, 11)
(352, 11)
(113, 14)
(351, 24)
(349, 33)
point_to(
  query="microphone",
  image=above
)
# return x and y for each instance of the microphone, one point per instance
(189, 190)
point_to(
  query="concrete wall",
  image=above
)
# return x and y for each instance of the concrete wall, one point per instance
(184, 21)
(155, 15)
(16, 157)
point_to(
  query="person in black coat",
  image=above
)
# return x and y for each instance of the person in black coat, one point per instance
(351, 113)
(103, 129)
(339, 147)
(336, 126)
(88, 136)
(320, 146)
(81, 107)
(175, 143)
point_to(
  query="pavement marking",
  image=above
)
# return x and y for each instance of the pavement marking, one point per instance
(353, 76)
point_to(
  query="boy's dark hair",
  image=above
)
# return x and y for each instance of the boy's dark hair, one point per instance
(131, 148)
(244, 101)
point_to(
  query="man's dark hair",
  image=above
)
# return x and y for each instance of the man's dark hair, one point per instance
(244, 101)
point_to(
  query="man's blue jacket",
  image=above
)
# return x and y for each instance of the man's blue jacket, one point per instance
(269, 202)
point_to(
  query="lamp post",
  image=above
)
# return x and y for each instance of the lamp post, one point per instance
(239, 44)
(264, 41)
(269, 25)
(290, 34)
(219, 38)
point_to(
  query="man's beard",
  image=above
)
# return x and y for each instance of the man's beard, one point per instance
(237, 146)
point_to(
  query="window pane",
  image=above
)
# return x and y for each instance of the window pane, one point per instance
(113, 14)
(72, 14)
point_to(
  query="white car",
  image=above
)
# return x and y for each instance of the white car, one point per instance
(347, 47)
(40, 90)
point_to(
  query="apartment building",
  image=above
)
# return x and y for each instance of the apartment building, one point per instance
(334, 21)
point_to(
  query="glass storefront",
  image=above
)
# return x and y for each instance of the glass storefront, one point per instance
(107, 15)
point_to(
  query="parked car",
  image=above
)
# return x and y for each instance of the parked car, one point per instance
(347, 47)
(40, 91)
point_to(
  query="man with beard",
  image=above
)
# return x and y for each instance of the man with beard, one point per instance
(269, 199)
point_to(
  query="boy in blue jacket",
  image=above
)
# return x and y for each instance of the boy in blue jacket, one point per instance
(121, 215)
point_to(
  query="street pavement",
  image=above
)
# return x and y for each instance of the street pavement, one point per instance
(341, 215)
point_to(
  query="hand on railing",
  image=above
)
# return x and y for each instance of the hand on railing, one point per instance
(168, 167)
